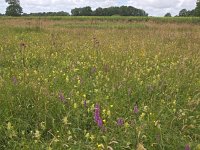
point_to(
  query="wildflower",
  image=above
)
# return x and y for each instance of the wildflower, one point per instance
(97, 117)
(100, 146)
(187, 147)
(140, 147)
(87, 135)
(108, 113)
(145, 108)
(97, 113)
(42, 125)
(157, 124)
(37, 134)
(9, 126)
(141, 116)
(75, 105)
(126, 124)
(62, 97)
(120, 122)
(65, 120)
(92, 137)
(136, 110)
(14, 80)
(85, 103)
(100, 122)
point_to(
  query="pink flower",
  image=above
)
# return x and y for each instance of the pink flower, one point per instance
(120, 122)
(187, 147)
(136, 110)
(97, 117)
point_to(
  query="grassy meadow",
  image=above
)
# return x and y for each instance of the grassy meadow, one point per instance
(99, 83)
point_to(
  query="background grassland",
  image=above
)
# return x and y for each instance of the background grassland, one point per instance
(54, 70)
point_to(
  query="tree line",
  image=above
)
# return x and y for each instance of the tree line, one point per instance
(14, 9)
(121, 11)
(60, 13)
(185, 13)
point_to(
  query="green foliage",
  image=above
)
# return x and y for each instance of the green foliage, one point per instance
(122, 11)
(197, 9)
(183, 13)
(168, 15)
(85, 11)
(60, 13)
(187, 13)
(12, 2)
(14, 8)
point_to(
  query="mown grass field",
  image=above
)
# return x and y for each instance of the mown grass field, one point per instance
(89, 83)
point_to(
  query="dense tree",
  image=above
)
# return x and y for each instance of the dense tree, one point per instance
(85, 11)
(191, 12)
(60, 13)
(183, 13)
(197, 9)
(14, 8)
(98, 12)
(75, 12)
(168, 15)
(187, 13)
(122, 11)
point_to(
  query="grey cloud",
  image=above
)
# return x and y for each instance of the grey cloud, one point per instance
(153, 7)
(160, 7)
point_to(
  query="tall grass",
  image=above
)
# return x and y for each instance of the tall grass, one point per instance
(192, 20)
(97, 86)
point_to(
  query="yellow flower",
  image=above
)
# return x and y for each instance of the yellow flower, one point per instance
(75, 105)
(145, 108)
(9, 126)
(87, 135)
(100, 146)
(126, 124)
(141, 116)
(67, 79)
(92, 137)
(37, 134)
(109, 113)
(42, 125)
(140, 147)
(65, 120)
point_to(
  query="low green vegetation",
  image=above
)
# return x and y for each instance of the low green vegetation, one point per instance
(110, 19)
(99, 83)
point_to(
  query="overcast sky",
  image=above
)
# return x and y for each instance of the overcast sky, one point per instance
(152, 7)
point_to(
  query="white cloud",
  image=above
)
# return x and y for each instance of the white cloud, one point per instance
(160, 7)
(153, 7)
(63, 5)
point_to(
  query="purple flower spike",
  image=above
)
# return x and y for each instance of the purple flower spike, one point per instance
(62, 97)
(97, 117)
(120, 122)
(85, 103)
(136, 110)
(100, 122)
(97, 113)
(187, 147)
(14, 80)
